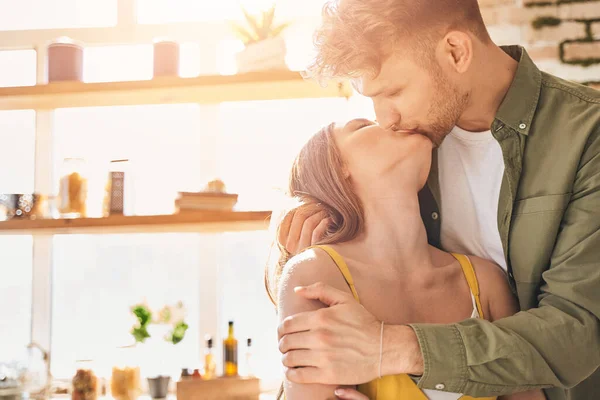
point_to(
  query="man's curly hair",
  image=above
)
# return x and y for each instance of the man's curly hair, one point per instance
(357, 36)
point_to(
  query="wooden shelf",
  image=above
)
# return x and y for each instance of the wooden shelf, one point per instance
(168, 90)
(196, 221)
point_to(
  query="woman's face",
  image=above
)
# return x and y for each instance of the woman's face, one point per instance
(373, 153)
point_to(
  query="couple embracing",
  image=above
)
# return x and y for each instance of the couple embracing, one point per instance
(450, 250)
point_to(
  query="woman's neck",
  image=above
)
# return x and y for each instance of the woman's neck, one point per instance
(394, 233)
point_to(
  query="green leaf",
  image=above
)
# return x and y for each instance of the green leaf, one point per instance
(143, 314)
(179, 332)
(140, 333)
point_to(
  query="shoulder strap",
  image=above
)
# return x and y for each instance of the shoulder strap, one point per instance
(471, 277)
(342, 266)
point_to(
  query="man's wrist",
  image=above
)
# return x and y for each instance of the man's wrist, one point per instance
(401, 351)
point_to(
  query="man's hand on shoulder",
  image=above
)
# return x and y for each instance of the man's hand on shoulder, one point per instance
(300, 230)
(341, 344)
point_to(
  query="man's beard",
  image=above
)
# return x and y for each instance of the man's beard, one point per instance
(446, 108)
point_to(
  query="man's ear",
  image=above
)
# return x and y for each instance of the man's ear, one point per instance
(457, 50)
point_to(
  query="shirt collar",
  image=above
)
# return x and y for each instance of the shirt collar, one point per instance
(521, 100)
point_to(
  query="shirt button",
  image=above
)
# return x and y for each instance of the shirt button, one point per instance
(434, 216)
(522, 126)
(440, 386)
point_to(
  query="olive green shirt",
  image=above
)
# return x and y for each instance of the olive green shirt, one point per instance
(549, 223)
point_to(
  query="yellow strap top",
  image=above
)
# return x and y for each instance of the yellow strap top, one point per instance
(463, 260)
(471, 277)
(342, 266)
(402, 387)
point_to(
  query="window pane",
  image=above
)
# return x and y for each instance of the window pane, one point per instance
(17, 135)
(162, 11)
(43, 14)
(244, 300)
(133, 62)
(17, 151)
(15, 295)
(258, 143)
(162, 142)
(17, 68)
(260, 140)
(110, 273)
(117, 63)
(96, 281)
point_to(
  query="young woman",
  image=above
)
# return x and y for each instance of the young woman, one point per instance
(366, 180)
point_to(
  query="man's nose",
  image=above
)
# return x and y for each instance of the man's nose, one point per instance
(391, 121)
(386, 116)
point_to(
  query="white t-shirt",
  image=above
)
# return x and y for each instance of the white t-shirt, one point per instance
(470, 168)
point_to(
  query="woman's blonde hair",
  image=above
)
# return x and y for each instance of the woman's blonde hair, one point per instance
(317, 181)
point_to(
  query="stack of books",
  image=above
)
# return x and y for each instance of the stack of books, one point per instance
(197, 201)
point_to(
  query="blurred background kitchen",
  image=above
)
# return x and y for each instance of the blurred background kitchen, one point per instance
(145, 144)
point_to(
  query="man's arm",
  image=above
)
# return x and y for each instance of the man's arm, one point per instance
(554, 345)
(499, 302)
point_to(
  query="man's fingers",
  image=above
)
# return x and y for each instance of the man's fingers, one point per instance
(293, 237)
(304, 375)
(308, 228)
(320, 231)
(299, 358)
(299, 230)
(300, 322)
(350, 394)
(326, 294)
(296, 341)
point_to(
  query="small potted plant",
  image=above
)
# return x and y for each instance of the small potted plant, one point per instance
(155, 330)
(264, 47)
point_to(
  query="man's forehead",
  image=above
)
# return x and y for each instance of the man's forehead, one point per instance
(368, 86)
(366, 83)
(393, 71)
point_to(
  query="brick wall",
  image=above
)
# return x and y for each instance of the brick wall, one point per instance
(562, 36)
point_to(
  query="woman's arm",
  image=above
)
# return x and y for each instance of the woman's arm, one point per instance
(498, 302)
(305, 269)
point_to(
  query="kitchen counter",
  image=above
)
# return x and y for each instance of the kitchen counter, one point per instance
(263, 396)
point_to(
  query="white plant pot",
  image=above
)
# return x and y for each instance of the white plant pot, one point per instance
(266, 55)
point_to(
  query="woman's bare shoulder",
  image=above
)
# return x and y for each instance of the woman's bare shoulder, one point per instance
(496, 295)
(311, 266)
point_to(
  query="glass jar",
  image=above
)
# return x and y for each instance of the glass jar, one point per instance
(73, 189)
(85, 385)
(125, 382)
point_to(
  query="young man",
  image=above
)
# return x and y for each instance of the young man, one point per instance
(515, 179)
